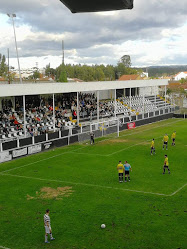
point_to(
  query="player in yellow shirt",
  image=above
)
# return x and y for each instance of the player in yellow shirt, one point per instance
(165, 139)
(166, 164)
(120, 169)
(173, 136)
(153, 147)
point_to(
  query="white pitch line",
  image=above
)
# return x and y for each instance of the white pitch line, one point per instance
(110, 154)
(91, 154)
(178, 190)
(84, 184)
(83, 148)
(25, 165)
(134, 133)
(4, 247)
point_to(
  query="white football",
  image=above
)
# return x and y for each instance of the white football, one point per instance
(103, 226)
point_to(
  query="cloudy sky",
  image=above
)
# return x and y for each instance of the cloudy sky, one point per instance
(154, 32)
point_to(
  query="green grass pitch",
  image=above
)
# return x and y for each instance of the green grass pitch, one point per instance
(149, 212)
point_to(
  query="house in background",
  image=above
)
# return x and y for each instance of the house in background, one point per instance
(131, 77)
(181, 75)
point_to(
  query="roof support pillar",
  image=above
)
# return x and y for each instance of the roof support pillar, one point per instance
(24, 116)
(98, 106)
(77, 108)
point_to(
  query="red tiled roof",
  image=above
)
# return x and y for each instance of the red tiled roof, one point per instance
(129, 77)
(179, 73)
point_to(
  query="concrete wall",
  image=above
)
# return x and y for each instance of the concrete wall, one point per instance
(153, 90)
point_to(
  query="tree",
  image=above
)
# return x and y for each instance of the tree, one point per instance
(126, 60)
(3, 66)
(36, 75)
(109, 72)
(63, 77)
(182, 81)
(50, 71)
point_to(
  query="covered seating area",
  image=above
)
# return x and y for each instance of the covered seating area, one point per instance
(46, 109)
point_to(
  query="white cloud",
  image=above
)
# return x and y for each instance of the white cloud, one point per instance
(153, 33)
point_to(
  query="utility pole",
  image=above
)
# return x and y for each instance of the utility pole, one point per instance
(8, 67)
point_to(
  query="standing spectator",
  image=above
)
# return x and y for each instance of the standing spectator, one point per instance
(127, 171)
(120, 169)
(47, 226)
(74, 114)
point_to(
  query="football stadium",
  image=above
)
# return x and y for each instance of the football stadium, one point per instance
(92, 165)
(57, 168)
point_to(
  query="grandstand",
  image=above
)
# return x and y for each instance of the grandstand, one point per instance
(36, 114)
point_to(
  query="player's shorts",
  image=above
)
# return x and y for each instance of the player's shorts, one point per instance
(152, 148)
(126, 172)
(166, 143)
(165, 167)
(120, 174)
(47, 229)
(173, 139)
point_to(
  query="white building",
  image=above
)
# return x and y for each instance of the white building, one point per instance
(181, 75)
(25, 73)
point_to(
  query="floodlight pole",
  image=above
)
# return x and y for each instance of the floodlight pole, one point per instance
(12, 17)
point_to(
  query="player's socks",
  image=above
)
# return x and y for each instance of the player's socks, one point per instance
(125, 178)
(46, 238)
(129, 178)
(51, 236)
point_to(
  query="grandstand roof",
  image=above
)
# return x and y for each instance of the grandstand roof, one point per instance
(97, 5)
(50, 88)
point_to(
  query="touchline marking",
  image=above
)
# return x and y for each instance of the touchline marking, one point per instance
(95, 185)
(178, 190)
(84, 184)
(25, 165)
(4, 247)
(79, 153)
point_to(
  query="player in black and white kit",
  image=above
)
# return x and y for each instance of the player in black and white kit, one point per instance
(47, 225)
